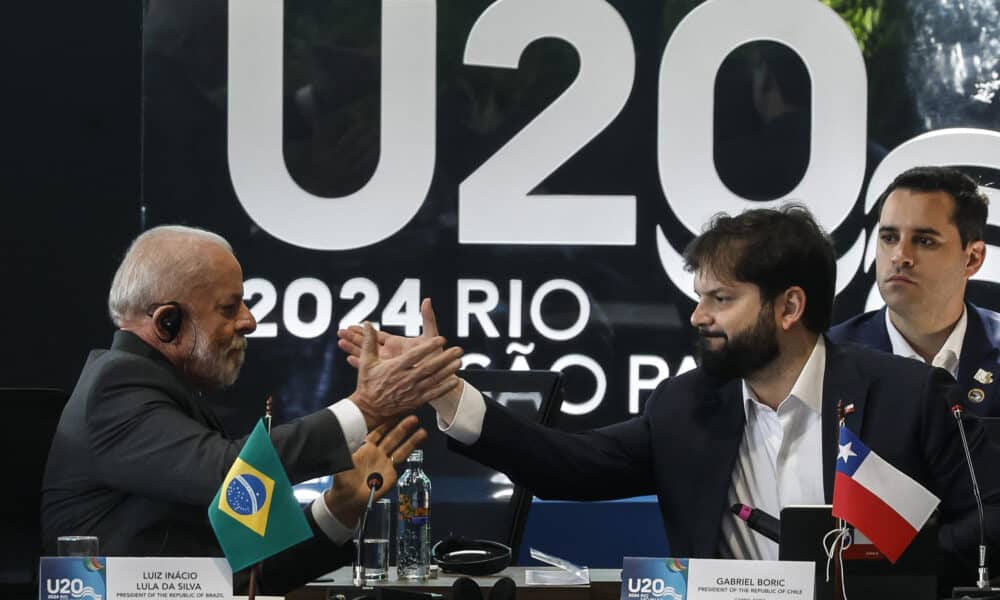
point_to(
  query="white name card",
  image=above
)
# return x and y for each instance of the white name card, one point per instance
(120, 578)
(710, 579)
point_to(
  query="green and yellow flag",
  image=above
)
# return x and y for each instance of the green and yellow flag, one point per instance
(255, 514)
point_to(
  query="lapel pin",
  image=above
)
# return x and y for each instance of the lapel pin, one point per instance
(983, 376)
(976, 395)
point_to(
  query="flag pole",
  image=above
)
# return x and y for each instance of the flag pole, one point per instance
(267, 414)
(252, 591)
(838, 543)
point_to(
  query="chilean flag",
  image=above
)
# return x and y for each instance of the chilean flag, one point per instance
(877, 498)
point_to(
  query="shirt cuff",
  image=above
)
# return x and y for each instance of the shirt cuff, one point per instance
(467, 424)
(352, 422)
(335, 530)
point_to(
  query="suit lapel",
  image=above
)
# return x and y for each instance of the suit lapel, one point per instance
(978, 353)
(876, 334)
(205, 413)
(193, 401)
(724, 413)
(841, 384)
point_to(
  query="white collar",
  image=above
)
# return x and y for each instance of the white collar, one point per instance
(808, 388)
(946, 358)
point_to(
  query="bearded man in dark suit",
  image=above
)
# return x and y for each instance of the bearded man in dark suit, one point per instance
(757, 422)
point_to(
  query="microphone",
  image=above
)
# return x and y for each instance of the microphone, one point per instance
(984, 576)
(374, 482)
(758, 520)
(465, 588)
(504, 589)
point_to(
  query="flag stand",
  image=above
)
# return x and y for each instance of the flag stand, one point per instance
(254, 570)
(838, 564)
(838, 544)
(252, 591)
(255, 514)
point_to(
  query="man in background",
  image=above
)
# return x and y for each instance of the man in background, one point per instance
(138, 456)
(930, 242)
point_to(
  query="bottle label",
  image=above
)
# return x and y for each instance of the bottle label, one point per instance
(417, 515)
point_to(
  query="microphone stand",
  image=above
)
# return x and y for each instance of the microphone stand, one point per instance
(374, 483)
(983, 588)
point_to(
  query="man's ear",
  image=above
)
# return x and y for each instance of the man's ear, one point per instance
(976, 255)
(167, 322)
(790, 307)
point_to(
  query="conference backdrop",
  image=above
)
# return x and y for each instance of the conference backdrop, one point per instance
(536, 167)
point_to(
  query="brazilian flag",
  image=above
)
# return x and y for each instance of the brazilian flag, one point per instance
(255, 514)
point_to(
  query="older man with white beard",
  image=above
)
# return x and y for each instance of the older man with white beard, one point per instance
(137, 456)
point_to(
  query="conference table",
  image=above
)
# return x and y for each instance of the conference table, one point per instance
(605, 584)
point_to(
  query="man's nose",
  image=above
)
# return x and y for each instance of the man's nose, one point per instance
(902, 255)
(700, 317)
(246, 324)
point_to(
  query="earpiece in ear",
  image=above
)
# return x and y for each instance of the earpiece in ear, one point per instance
(170, 320)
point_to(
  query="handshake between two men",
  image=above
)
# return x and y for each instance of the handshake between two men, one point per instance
(396, 376)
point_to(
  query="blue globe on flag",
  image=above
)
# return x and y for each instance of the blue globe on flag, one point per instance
(246, 494)
(254, 514)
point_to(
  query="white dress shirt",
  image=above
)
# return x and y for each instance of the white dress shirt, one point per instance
(780, 457)
(352, 422)
(780, 461)
(949, 354)
(462, 421)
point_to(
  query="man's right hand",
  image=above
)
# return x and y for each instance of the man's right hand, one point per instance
(389, 345)
(391, 386)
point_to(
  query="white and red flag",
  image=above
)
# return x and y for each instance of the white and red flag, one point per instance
(877, 498)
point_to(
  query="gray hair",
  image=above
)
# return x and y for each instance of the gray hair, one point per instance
(159, 265)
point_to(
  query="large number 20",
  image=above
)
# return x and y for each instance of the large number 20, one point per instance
(494, 205)
(494, 201)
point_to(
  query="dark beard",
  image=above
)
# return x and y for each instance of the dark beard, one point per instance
(744, 353)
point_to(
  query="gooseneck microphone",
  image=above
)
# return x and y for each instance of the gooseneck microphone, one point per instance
(374, 484)
(984, 575)
(758, 520)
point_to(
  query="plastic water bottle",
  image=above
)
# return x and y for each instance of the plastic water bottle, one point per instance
(413, 558)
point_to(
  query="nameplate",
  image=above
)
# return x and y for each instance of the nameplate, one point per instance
(121, 578)
(711, 579)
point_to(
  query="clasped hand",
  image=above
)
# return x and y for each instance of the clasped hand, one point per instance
(397, 375)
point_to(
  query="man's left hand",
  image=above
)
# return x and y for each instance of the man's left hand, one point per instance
(383, 448)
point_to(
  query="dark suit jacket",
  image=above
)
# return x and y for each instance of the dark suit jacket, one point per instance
(980, 350)
(685, 445)
(136, 460)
